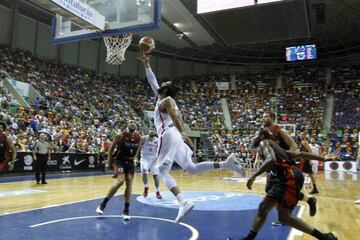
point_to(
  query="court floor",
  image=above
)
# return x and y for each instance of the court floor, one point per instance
(65, 208)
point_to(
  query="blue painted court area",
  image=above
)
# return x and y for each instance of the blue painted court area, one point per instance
(211, 219)
(6, 179)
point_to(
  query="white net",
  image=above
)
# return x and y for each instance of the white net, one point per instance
(116, 47)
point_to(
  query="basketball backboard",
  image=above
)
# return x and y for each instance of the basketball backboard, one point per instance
(77, 20)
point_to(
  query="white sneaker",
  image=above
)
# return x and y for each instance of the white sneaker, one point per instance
(126, 217)
(185, 207)
(231, 164)
(99, 210)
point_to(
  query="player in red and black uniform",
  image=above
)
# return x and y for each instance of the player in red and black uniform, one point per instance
(121, 157)
(278, 134)
(281, 137)
(285, 191)
(7, 150)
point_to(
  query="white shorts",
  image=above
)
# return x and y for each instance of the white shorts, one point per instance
(172, 148)
(148, 166)
(314, 166)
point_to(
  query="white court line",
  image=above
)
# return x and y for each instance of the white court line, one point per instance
(335, 199)
(194, 231)
(294, 232)
(50, 206)
(56, 178)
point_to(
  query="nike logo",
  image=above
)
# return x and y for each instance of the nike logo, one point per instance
(78, 162)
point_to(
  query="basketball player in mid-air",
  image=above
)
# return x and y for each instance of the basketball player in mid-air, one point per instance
(171, 145)
(286, 191)
(7, 147)
(121, 158)
(147, 149)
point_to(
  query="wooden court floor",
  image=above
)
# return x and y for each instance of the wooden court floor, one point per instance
(336, 208)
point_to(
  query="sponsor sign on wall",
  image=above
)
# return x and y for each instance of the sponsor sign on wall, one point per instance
(58, 162)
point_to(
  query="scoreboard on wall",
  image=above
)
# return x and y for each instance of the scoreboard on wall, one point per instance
(300, 53)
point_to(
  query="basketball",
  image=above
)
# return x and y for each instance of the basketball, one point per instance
(146, 44)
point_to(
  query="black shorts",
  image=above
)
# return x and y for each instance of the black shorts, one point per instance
(306, 166)
(124, 167)
(286, 191)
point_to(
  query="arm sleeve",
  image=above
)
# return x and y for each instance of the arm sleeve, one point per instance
(152, 80)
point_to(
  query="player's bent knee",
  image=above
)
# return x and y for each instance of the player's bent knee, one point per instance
(119, 184)
(167, 180)
(264, 207)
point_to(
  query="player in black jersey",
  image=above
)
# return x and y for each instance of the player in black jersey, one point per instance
(7, 150)
(121, 158)
(285, 191)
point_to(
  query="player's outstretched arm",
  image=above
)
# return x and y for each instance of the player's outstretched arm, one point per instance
(117, 139)
(149, 73)
(310, 156)
(288, 140)
(269, 160)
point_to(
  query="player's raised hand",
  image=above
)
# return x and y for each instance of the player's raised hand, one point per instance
(333, 155)
(145, 59)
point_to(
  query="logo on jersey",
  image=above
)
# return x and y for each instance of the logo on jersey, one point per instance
(207, 201)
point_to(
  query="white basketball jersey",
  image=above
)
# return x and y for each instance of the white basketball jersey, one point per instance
(163, 120)
(315, 149)
(149, 149)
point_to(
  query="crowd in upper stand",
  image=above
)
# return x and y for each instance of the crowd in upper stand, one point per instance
(81, 110)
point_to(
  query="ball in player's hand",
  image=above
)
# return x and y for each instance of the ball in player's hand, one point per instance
(146, 44)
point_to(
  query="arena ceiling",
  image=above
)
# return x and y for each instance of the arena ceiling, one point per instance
(248, 35)
(333, 25)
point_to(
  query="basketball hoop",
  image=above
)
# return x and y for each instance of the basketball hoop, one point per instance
(116, 46)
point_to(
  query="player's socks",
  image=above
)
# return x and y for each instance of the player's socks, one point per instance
(126, 215)
(250, 236)
(102, 206)
(145, 193)
(180, 198)
(319, 235)
(312, 206)
(158, 195)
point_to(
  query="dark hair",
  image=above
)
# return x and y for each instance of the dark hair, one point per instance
(3, 124)
(272, 115)
(168, 90)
